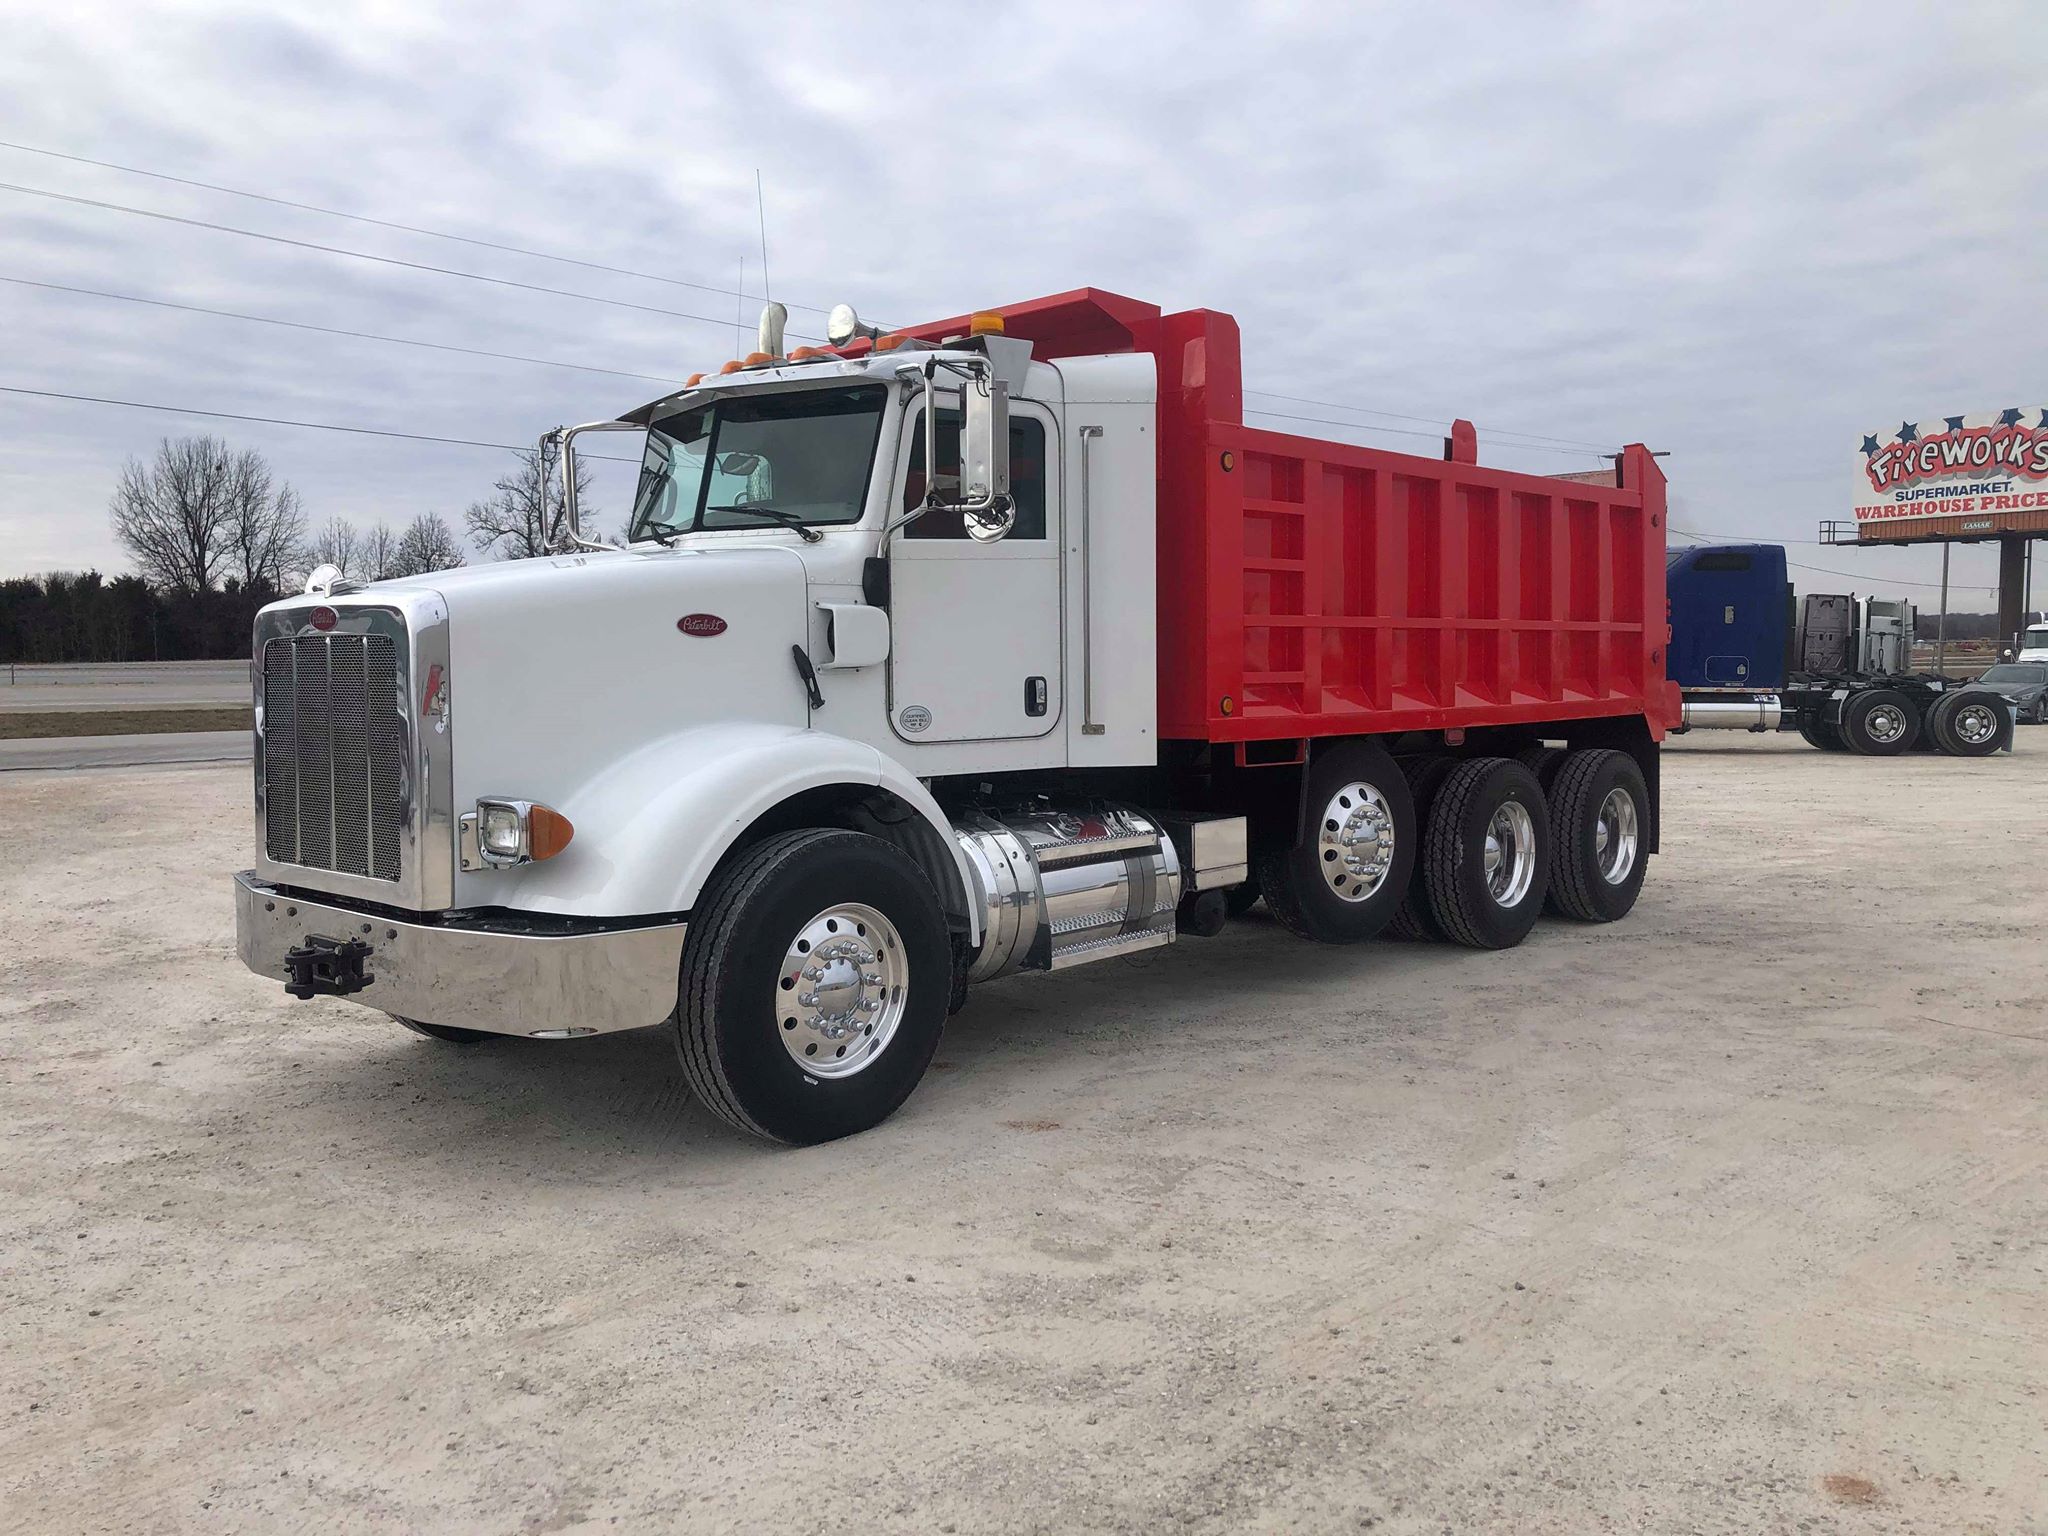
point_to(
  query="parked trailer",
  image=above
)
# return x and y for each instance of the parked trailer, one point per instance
(1749, 656)
(996, 645)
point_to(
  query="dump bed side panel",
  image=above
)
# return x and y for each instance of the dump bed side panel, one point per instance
(1348, 590)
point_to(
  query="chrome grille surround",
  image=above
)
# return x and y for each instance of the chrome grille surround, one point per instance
(352, 783)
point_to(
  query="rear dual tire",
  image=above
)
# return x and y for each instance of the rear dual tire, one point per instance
(1486, 854)
(1879, 722)
(1600, 846)
(1970, 725)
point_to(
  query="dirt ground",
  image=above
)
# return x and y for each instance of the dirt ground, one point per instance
(1731, 1217)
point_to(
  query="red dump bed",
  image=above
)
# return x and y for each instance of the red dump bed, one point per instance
(1309, 588)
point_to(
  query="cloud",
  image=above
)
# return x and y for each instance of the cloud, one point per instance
(1744, 234)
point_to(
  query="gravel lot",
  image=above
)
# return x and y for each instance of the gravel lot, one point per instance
(1729, 1217)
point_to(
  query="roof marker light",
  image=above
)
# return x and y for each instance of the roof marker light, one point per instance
(986, 323)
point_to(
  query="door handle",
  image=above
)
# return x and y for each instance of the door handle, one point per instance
(1090, 726)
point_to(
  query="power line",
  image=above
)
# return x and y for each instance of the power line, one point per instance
(1360, 426)
(389, 261)
(362, 218)
(283, 421)
(333, 330)
(1362, 410)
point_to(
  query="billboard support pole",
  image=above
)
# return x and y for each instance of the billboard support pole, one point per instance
(1941, 624)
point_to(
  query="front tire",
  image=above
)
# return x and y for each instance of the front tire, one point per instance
(1342, 881)
(815, 983)
(1486, 856)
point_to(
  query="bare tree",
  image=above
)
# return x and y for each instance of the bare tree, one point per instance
(510, 523)
(337, 543)
(379, 555)
(265, 521)
(174, 514)
(428, 544)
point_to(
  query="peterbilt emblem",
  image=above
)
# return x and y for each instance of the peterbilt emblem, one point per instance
(915, 718)
(321, 619)
(701, 625)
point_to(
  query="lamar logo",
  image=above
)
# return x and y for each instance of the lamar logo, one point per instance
(701, 624)
(2006, 447)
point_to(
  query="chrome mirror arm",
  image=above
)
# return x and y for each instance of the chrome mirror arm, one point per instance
(564, 440)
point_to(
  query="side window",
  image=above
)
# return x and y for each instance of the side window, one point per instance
(1027, 479)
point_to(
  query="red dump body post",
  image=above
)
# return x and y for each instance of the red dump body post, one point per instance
(1311, 588)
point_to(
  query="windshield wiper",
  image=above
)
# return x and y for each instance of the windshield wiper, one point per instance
(809, 534)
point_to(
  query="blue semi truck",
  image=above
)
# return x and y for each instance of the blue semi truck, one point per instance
(1749, 655)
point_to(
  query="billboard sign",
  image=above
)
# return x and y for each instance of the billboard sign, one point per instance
(1974, 467)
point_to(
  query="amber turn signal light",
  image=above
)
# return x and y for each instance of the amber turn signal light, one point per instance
(547, 831)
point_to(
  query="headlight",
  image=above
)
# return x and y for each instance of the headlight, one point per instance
(502, 828)
(501, 833)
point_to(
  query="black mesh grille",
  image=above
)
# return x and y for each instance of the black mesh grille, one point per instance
(331, 746)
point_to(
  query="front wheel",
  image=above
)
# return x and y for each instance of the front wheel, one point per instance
(815, 982)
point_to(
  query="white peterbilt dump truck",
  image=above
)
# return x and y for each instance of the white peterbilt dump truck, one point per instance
(862, 713)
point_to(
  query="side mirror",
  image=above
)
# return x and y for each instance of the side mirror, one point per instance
(985, 440)
(984, 495)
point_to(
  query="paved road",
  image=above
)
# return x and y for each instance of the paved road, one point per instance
(123, 685)
(59, 752)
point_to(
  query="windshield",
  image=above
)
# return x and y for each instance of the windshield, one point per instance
(752, 461)
(2035, 640)
(2020, 677)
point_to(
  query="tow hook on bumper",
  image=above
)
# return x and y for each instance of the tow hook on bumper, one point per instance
(323, 967)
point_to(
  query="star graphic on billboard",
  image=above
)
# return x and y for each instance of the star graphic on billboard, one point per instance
(1870, 441)
(1955, 423)
(2009, 417)
(1909, 432)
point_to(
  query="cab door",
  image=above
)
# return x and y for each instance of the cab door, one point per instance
(976, 648)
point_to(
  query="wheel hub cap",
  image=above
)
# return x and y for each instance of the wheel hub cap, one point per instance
(842, 990)
(1356, 845)
(1885, 723)
(1615, 837)
(1510, 854)
(1975, 724)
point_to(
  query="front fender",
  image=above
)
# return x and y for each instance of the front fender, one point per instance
(651, 828)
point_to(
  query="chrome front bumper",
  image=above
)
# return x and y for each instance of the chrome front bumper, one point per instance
(501, 976)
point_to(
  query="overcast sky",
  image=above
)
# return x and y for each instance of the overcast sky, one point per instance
(1745, 234)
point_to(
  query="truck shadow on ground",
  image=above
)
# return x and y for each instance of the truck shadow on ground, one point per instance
(624, 1095)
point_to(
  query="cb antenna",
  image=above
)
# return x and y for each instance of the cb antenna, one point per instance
(774, 316)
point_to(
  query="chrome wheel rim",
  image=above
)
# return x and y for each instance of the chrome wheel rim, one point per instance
(842, 991)
(1885, 724)
(1975, 724)
(1355, 848)
(1510, 854)
(1614, 836)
